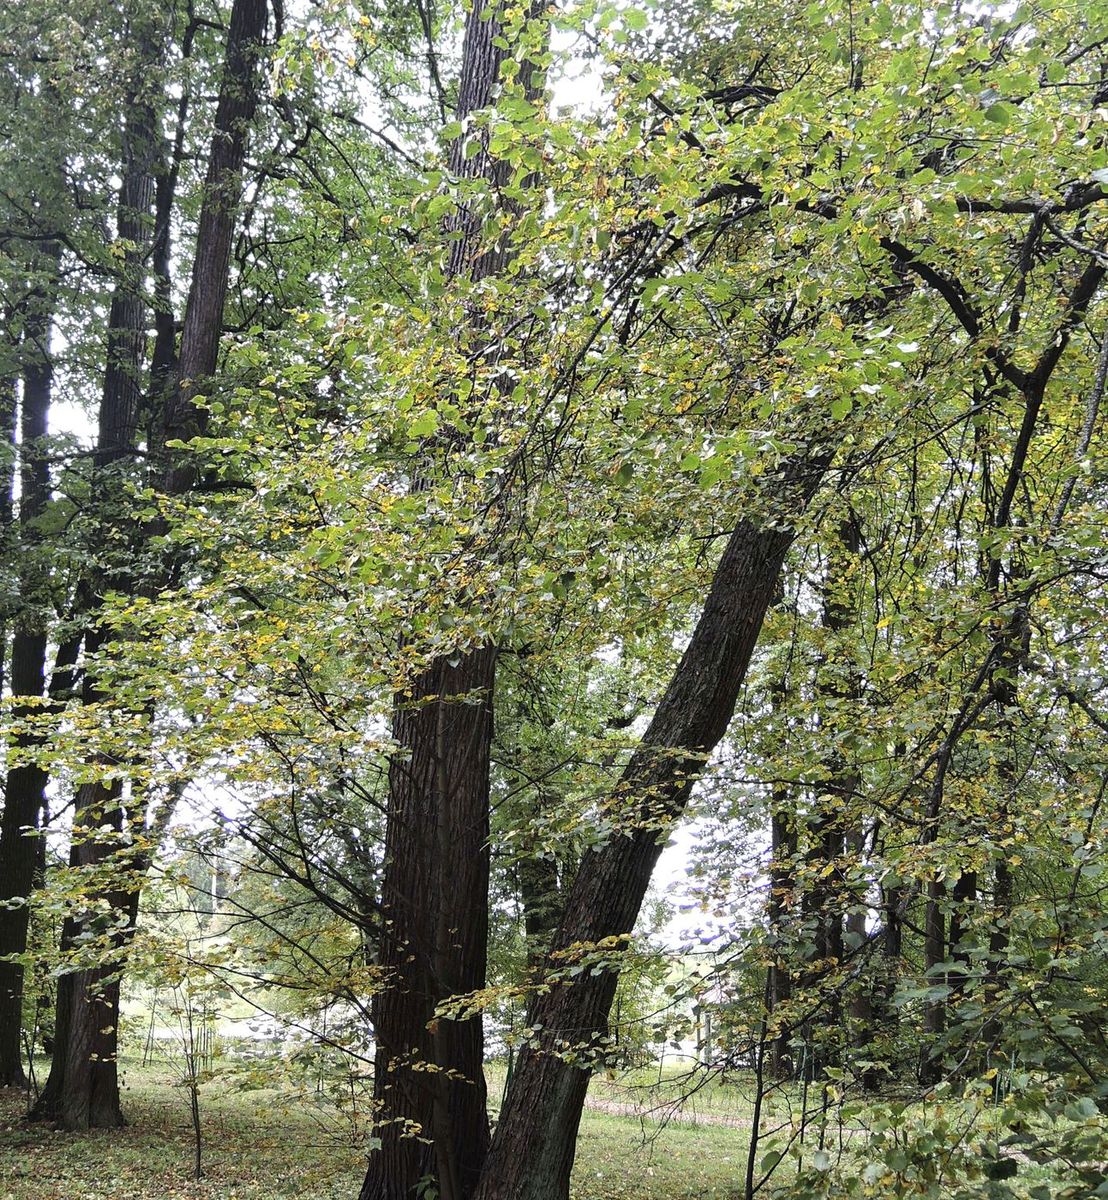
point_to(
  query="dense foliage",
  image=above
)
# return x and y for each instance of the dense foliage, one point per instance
(518, 431)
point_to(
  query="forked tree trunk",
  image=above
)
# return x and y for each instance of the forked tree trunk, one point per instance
(532, 1151)
(428, 1083)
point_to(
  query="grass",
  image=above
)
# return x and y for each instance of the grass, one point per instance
(268, 1143)
(252, 1148)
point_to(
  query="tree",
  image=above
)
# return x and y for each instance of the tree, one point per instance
(25, 790)
(432, 934)
(791, 301)
(82, 1088)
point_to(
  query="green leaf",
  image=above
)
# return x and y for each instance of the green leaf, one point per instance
(841, 408)
(424, 424)
(1000, 113)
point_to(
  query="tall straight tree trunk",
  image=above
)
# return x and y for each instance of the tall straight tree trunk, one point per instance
(82, 1088)
(782, 883)
(886, 1017)
(963, 903)
(434, 933)
(9, 419)
(821, 908)
(87, 1091)
(1006, 697)
(832, 824)
(934, 953)
(532, 1151)
(860, 992)
(844, 686)
(782, 887)
(25, 790)
(428, 1084)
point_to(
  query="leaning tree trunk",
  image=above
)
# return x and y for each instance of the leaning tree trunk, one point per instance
(25, 790)
(532, 1152)
(428, 1082)
(199, 354)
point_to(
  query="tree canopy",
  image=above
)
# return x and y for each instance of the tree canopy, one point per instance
(449, 449)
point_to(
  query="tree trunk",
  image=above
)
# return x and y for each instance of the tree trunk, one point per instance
(934, 1011)
(860, 991)
(199, 353)
(9, 414)
(532, 1151)
(887, 1017)
(827, 897)
(89, 1094)
(428, 1071)
(428, 1084)
(82, 1087)
(821, 908)
(25, 791)
(782, 884)
(963, 902)
(1006, 694)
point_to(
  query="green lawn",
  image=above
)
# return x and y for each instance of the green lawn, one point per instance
(269, 1142)
(266, 1144)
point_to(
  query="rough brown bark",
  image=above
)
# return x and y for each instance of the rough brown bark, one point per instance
(889, 963)
(82, 1089)
(88, 1057)
(963, 902)
(1006, 694)
(832, 823)
(844, 684)
(428, 1072)
(533, 1149)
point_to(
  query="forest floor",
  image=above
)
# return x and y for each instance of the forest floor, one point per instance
(270, 1143)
